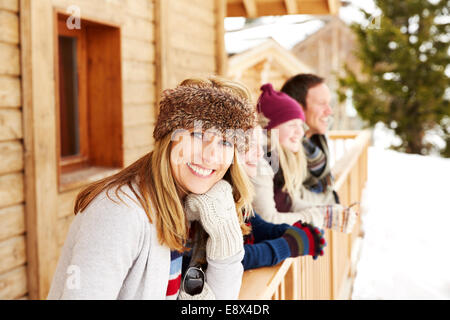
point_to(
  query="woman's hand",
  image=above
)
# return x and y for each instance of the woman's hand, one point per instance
(216, 211)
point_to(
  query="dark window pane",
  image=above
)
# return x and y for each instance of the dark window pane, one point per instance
(68, 94)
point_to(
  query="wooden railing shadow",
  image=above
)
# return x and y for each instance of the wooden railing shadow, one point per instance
(331, 276)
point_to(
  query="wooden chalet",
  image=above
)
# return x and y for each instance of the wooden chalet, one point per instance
(57, 136)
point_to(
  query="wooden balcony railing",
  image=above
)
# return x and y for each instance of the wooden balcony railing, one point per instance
(331, 276)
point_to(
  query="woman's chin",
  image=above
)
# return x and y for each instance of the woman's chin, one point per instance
(199, 189)
(293, 147)
(251, 170)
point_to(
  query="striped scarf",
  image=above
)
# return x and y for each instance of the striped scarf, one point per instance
(173, 286)
(317, 165)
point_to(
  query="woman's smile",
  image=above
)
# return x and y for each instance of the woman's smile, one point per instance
(295, 139)
(200, 171)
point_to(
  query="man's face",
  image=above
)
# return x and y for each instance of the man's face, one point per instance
(318, 109)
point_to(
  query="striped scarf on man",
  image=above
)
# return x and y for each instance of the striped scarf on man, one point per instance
(317, 163)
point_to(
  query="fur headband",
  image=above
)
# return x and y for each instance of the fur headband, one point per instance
(221, 108)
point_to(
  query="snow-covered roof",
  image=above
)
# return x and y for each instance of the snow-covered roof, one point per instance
(287, 31)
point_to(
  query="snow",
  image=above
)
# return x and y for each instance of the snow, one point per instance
(406, 218)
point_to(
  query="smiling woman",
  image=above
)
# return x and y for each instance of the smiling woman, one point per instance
(131, 229)
(199, 158)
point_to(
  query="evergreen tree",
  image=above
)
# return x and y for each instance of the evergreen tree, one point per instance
(404, 55)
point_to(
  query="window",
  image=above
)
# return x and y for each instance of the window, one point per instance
(72, 87)
(89, 98)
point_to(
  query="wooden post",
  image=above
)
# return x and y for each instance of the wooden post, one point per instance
(250, 8)
(265, 70)
(221, 54)
(333, 7)
(282, 289)
(162, 38)
(323, 59)
(36, 25)
(292, 281)
(291, 6)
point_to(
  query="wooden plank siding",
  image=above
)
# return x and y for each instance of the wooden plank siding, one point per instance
(13, 278)
(162, 43)
(136, 20)
(9, 5)
(10, 91)
(191, 31)
(9, 59)
(258, 8)
(268, 62)
(138, 100)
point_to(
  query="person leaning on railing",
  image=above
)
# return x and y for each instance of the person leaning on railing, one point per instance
(280, 196)
(130, 230)
(268, 244)
(311, 92)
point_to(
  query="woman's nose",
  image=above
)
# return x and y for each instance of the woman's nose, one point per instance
(259, 152)
(210, 151)
(299, 131)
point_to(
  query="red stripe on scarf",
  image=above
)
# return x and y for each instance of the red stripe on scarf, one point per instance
(174, 286)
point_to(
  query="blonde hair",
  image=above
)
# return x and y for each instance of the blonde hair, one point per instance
(293, 164)
(243, 192)
(157, 189)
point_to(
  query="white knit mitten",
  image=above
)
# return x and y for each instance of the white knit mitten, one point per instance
(216, 211)
(339, 218)
(350, 219)
(206, 294)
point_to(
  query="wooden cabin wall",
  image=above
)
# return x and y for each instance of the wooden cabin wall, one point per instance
(251, 78)
(162, 43)
(192, 34)
(13, 276)
(277, 76)
(263, 72)
(138, 78)
(138, 101)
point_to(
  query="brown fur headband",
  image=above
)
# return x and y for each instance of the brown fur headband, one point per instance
(215, 107)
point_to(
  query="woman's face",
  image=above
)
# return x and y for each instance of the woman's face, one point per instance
(254, 154)
(199, 159)
(290, 134)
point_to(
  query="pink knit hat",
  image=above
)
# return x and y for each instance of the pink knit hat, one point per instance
(278, 107)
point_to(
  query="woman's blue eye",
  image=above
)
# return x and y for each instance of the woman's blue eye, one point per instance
(227, 143)
(198, 135)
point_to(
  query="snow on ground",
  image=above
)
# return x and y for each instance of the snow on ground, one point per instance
(406, 220)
